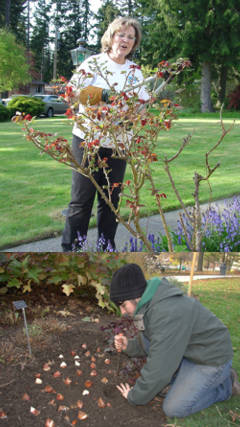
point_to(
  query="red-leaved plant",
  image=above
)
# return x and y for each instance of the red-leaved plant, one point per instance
(133, 128)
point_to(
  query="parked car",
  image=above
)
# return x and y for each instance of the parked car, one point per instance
(53, 104)
(5, 101)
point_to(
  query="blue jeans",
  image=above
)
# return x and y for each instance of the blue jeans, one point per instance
(196, 387)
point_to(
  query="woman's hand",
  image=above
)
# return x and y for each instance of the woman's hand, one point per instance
(124, 389)
(120, 342)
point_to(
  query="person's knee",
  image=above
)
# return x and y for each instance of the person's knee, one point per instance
(174, 409)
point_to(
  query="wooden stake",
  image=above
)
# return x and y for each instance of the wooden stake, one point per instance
(194, 258)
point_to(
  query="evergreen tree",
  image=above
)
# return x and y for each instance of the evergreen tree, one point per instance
(207, 31)
(73, 22)
(128, 7)
(157, 44)
(12, 16)
(40, 39)
(105, 15)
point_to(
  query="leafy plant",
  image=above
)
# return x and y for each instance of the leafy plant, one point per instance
(139, 130)
(79, 274)
(27, 105)
(18, 273)
(14, 69)
(4, 113)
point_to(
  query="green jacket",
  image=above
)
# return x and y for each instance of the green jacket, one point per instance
(177, 326)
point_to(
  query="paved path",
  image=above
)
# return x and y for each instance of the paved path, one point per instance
(200, 277)
(152, 225)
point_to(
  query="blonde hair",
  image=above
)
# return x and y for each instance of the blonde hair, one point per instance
(117, 25)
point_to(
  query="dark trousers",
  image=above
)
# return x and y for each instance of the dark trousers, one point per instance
(83, 195)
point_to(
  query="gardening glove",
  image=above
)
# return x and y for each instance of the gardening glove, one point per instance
(93, 95)
(166, 75)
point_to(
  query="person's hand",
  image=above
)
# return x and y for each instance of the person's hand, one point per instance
(120, 342)
(124, 389)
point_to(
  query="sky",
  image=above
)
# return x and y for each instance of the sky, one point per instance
(95, 4)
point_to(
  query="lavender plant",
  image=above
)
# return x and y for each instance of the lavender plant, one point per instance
(220, 230)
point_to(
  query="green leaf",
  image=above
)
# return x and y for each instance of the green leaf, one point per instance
(86, 319)
(14, 283)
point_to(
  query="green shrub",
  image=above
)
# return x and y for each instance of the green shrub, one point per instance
(25, 104)
(85, 274)
(189, 96)
(4, 113)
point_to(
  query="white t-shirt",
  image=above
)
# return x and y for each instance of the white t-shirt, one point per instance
(122, 76)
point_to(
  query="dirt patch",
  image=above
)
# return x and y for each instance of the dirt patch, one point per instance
(73, 373)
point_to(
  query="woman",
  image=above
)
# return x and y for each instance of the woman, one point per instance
(119, 41)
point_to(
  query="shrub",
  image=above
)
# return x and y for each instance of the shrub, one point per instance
(189, 96)
(234, 99)
(4, 113)
(25, 104)
(85, 274)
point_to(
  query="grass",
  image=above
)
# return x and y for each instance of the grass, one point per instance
(34, 188)
(222, 297)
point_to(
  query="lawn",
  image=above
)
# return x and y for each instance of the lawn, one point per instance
(59, 325)
(35, 189)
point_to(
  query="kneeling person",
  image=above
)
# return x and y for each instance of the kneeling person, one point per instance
(186, 345)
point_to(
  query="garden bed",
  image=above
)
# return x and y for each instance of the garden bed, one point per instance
(34, 390)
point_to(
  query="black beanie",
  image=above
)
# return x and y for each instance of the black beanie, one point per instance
(127, 283)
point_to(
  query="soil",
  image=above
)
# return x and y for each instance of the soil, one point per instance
(76, 332)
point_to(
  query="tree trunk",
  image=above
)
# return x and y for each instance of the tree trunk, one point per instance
(206, 103)
(222, 83)
(7, 12)
(200, 261)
